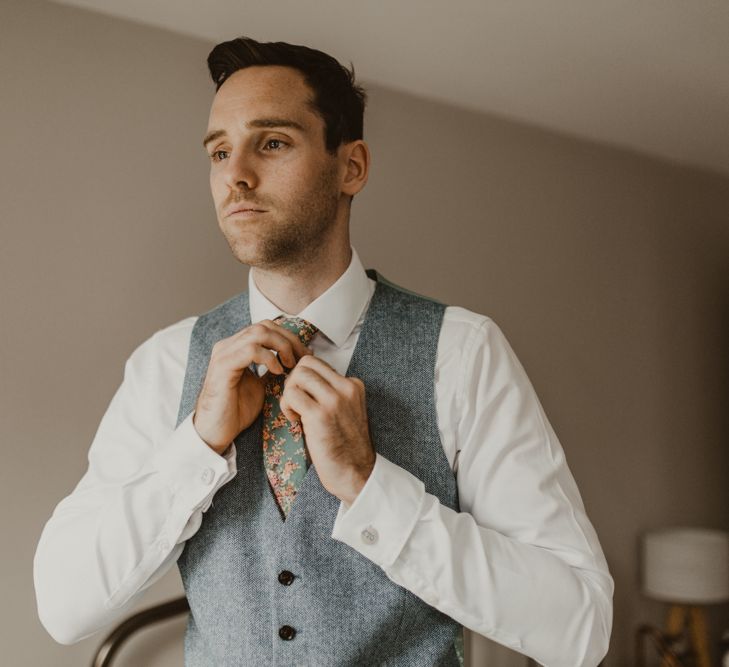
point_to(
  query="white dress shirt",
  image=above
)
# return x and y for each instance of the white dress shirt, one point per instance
(520, 563)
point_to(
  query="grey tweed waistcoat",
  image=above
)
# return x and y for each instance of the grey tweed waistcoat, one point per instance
(343, 608)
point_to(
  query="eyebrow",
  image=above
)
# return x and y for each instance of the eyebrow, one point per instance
(259, 122)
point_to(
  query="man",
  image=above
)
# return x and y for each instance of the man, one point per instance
(346, 473)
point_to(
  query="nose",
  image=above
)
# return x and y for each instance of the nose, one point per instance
(240, 172)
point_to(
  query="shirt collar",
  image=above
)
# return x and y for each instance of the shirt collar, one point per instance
(335, 312)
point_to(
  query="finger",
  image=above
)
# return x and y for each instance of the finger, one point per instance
(340, 383)
(296, 404)
(238, 354)
(275, 338)
(309, 380)
(265, 357)
(300, 349)
(288, 412)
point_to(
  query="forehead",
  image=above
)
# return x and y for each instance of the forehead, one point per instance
(262, 91)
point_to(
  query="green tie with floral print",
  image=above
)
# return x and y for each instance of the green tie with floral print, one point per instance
(284, 455)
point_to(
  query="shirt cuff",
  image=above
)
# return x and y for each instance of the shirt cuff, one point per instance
(383, 515)
(191, 469)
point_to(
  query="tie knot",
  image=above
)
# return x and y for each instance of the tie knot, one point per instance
(303, 329)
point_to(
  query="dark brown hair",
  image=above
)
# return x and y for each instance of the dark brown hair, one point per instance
(337, 99)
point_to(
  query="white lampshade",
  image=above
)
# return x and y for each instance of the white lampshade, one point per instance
(686, 565)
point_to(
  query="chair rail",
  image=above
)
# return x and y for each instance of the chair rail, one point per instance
(119, 635)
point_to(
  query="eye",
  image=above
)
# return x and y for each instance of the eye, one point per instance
(214, 155)
(274, 145)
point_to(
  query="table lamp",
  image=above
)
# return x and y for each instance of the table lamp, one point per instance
(687, 567)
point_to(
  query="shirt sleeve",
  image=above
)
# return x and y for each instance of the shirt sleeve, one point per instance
(143, 494)
(520, 563)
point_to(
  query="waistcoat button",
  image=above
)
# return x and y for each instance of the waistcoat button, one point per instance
(285, 577)
(286, 632)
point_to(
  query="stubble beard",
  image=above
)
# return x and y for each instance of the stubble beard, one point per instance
(296, 239)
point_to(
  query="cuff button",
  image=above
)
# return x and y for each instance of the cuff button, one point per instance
(207, 476)
(369, 535)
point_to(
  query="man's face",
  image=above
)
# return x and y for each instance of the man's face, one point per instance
(270, 158)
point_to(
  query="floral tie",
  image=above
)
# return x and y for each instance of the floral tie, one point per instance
(284, 455)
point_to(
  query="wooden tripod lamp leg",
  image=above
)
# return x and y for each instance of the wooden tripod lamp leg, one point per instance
(693, 619)
(675, 624)
(699, 636)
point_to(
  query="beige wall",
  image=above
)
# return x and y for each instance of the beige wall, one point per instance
(606, 270)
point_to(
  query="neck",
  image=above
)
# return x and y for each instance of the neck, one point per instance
(296, 287)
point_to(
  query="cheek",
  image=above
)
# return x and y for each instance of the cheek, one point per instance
(304, 191)
(283, 178)
(295, 174)
(218, 190)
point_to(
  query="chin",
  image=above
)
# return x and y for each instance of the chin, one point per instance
(245, 254)
(253, 254)
(244, 245)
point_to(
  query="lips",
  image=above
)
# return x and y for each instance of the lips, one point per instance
(244, 209)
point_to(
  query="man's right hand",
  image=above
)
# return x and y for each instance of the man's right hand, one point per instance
(232, 395)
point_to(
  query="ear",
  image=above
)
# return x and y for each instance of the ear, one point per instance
(355, 161)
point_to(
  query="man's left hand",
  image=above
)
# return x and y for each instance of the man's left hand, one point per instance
(333, 416)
